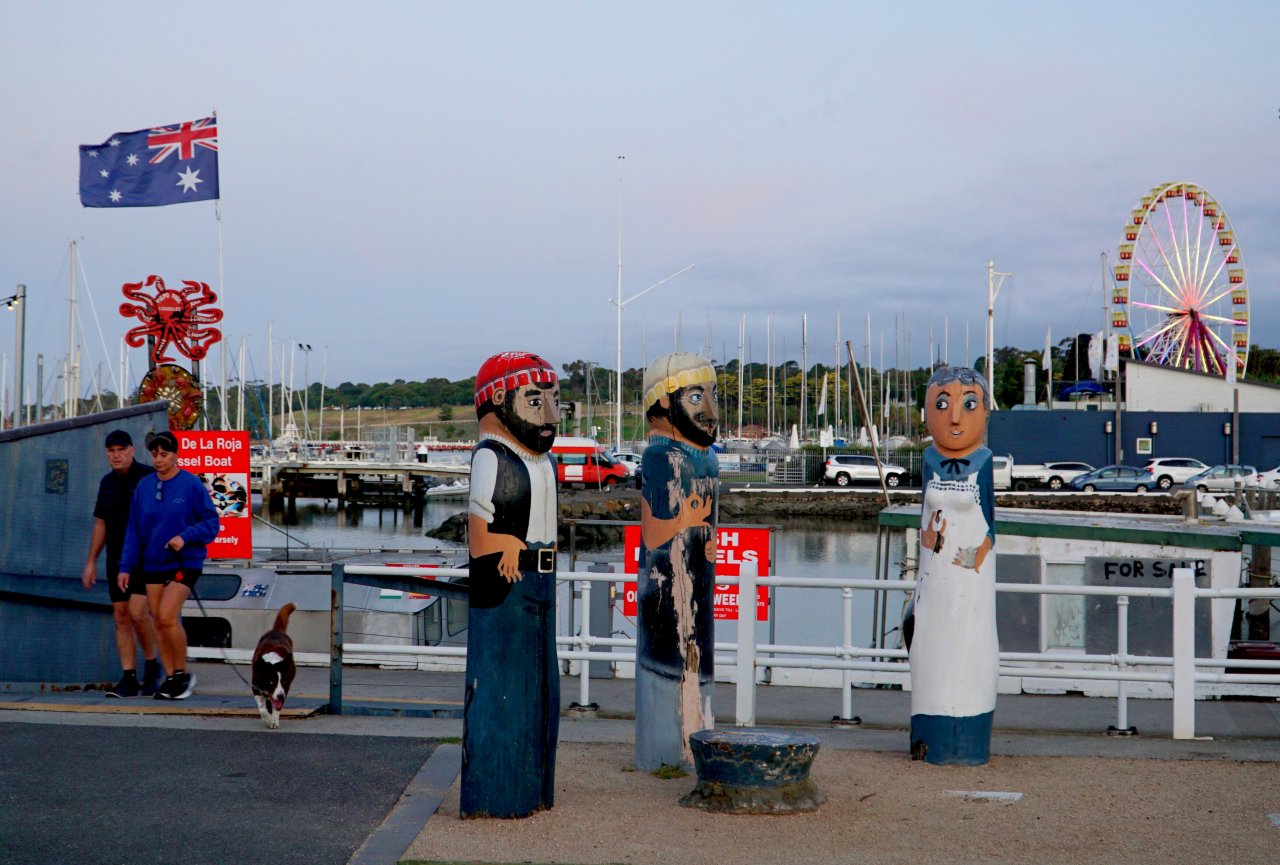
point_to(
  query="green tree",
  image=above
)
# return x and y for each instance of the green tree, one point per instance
(446, 412)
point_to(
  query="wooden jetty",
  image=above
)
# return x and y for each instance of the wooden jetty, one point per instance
(355, 481)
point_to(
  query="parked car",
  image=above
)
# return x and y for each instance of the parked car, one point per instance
(1115, 479)
(845, 469)
(1269, 480)
(1174, 470)
(1052, 475)
(583, 463)
(1223, 478)
(630, 461)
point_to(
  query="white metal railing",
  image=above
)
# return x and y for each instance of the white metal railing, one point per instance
(744, 658)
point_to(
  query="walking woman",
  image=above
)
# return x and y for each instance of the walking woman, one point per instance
(171, 522)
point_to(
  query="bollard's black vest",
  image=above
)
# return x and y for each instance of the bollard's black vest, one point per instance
(511, 493)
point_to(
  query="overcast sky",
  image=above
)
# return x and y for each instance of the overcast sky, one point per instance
(418, 186)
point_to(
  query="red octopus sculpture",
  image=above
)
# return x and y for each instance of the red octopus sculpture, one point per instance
(172, 316)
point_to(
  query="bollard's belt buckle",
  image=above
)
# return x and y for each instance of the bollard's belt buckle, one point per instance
(546, 560)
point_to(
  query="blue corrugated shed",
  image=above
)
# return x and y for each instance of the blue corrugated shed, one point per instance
(51, 629)
(1037, 437)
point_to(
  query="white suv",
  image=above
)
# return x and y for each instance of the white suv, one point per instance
(1174, 470)
(630, 461)
(845, 469)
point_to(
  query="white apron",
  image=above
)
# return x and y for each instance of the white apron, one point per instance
(955, 653)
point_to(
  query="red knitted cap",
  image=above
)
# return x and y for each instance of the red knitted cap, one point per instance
(509, 370)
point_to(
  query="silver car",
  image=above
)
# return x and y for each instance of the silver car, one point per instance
(1224, 478)
(845, 469)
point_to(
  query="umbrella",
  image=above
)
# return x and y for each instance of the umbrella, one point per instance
(1083, 387)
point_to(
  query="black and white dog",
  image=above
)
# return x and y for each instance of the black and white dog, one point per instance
(273, 668)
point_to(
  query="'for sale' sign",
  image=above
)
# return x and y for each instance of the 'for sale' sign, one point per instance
(733, 547)
(221, 461)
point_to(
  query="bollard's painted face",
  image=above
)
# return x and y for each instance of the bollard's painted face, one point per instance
(694, 413)
(531, 414)
(956, 415)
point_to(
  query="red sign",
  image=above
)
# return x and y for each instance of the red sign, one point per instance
(733, 547)
(221, 461)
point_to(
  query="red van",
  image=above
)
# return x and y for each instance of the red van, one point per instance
(583, 464)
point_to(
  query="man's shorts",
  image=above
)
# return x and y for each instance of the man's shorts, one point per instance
(184, 577)
(135, 587)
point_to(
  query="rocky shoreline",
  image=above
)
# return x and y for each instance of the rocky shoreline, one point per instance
(762, 505)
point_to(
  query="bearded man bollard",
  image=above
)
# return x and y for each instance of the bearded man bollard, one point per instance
(680, 483)
(951, 628)
(511, 713)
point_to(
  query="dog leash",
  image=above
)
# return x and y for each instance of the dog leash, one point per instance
(226, 659)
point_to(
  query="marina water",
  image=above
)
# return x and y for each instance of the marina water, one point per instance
(809, 548)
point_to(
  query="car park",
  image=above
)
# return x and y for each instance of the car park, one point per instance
(1115, 478)
(1224, 478)
(1174, 470)
(846, 469)
(1053, 475)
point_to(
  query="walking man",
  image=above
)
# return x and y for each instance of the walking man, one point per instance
(111, 517)
(171, 523)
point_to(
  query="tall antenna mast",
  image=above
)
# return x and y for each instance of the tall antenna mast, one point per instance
(617, 436)
(69, 410)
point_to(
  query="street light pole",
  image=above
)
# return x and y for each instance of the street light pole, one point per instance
(306, 390)
(19, 301)
(622, 305)
(993, 291)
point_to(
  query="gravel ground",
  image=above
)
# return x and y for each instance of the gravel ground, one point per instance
(885, 808)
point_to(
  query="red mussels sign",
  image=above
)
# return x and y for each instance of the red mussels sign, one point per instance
(221, 461)
(733, 547)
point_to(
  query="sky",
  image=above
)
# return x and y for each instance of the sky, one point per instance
(417, 186)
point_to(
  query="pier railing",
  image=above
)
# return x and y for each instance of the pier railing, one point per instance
(1183, 670)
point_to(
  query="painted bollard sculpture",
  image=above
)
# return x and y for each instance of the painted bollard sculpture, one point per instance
(680, 480)
(951, 629)
(511, 713)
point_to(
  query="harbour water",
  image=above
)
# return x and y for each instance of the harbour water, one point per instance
(807, 548)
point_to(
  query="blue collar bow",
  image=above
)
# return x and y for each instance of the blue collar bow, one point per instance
(953, 467)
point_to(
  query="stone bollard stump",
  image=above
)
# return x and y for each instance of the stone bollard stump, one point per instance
(753, 772)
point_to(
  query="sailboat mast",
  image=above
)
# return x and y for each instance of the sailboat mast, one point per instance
(69, 409)
(617, 435)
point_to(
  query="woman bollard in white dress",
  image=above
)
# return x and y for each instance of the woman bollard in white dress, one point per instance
(955, 654)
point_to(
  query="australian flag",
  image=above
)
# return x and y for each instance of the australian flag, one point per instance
(151, 167)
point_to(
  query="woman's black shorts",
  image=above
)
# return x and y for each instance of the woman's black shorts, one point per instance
(184, 576)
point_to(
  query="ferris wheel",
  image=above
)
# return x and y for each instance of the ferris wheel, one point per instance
(1180, 260)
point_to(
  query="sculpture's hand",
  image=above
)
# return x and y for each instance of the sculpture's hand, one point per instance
(933, 537)
(694, 513)
(509, 563)
(972, 557)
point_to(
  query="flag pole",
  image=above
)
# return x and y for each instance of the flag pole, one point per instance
(217, 211)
